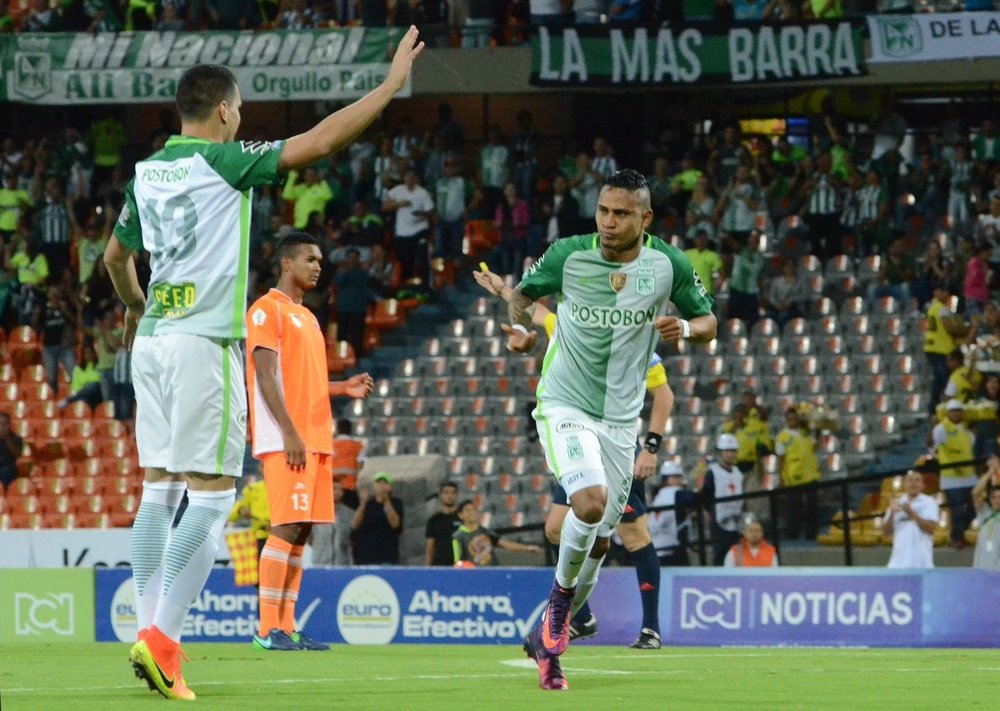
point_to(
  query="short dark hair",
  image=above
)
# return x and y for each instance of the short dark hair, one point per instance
(448, 485)
(344, 426)
(289, 244)
(465, 502)
(627, 179)
(201, 88)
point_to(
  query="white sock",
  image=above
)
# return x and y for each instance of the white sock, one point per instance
(575, 541)
(586, 581)
(150, 533)
(190, 556)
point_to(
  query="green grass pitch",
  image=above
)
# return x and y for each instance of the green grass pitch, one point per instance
(228, 676)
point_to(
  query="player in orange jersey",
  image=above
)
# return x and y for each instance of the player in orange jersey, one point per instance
(292, 426)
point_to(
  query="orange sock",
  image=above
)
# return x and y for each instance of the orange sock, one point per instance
(273, 572)
(290, 594)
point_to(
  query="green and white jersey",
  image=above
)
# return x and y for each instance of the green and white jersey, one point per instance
(189, 207)
(597, 358)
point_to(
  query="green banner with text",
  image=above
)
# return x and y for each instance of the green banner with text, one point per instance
(47, 605)
(739, 54)
(143, 67)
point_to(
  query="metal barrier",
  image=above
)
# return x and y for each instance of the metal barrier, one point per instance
(773, 496)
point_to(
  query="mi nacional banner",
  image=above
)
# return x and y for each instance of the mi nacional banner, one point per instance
(143, 67)
(740, 54)
(934, 37)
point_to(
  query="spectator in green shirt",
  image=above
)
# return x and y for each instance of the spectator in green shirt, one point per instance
(744, 285)
(474, 544)
(311, 195)
(706, 262)
(90, 249)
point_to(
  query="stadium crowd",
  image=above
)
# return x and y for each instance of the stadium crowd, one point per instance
(466, 23)
(924, 205)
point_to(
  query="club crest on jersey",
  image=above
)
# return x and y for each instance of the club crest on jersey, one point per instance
(617, 280)
(645, 285)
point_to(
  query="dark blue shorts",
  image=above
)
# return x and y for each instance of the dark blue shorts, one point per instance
(634, 507)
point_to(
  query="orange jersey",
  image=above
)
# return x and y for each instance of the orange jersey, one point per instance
(346, 460)
(278, 324)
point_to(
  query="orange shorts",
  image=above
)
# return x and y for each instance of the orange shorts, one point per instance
(304, 496)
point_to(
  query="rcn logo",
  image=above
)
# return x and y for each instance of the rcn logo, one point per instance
(52, 612)
(701, 609)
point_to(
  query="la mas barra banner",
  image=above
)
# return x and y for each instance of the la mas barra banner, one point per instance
(143, 67)
(792, 606)
(742, 54)
(934, 37)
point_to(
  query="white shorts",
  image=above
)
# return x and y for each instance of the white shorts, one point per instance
(191, 404)
(584, 452)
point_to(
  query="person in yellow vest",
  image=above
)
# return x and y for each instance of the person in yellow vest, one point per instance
(107, 137)
(964, 381)
(752, 551)
(939, 340)
(754, 442)
(953, 442)
(752, 435)
(253, 509)
(311, 195)
(797, 465)
(13, 204)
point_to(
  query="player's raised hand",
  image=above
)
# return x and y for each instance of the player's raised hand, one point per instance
(359, 386)
(406, 51)
(493, 283)
(519, 341)
(669, 327)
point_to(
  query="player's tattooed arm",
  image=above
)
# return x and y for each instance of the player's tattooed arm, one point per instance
(521, 336)
(519, 308)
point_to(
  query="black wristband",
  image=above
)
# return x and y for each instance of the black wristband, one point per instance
(653, 442)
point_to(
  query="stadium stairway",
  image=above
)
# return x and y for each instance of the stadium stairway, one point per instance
(427, 321)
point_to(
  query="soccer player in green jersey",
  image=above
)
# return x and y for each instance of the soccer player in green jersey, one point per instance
(189, 207)
(614, 287)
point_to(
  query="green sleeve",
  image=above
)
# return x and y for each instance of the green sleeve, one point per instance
(247, 164)
(456, 550)
(688, 294)
(545, 275)
(128, 230)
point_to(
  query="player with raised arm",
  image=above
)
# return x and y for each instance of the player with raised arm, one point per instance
(189, 207)
(292, 432)
(633, 529)
(615, 287)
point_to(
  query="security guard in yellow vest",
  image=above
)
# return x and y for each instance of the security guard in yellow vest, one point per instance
(253, 508)
(963, 380)
(752, 436)
(953, 442)
(796, 452)
(939, 341)
(797, 465)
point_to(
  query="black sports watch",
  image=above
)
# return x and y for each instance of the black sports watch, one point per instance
(652, 443)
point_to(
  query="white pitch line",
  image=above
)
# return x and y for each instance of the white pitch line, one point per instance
(515, 663)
